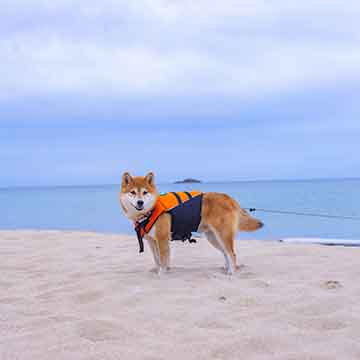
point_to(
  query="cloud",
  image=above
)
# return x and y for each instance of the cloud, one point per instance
(150, 48)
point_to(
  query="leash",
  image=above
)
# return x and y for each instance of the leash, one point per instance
(304, 214)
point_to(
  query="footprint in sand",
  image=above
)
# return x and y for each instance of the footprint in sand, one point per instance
(319, 324)
(49, 293)
(316, 309)
(245, 272)
(212, 324)
(11, 300)
(254, 346)
(331, 285)
(88, 297)
(260, 283)
(101, 330)
(6, 284)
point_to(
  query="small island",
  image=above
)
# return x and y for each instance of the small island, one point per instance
(188, 181)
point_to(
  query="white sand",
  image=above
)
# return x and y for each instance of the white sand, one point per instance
(73, 295)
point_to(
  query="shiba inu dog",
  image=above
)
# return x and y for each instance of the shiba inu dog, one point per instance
(220, 217)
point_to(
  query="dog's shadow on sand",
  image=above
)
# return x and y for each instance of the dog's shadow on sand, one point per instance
(244, 271)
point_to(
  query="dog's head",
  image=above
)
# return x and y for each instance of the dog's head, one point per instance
(138, 194)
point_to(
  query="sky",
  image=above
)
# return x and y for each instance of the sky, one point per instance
(230, 90)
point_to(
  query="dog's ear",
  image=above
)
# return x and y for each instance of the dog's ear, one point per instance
(126, 179)
(150, 178)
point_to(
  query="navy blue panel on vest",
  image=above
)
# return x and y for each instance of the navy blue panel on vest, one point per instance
(186, 217)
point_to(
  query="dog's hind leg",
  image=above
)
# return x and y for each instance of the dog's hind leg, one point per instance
(217, 242)
(211, 237)
(225, 237)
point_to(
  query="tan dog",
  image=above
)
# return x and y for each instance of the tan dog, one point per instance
(221, 218)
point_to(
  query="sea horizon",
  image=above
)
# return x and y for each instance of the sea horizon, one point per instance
(179, 182)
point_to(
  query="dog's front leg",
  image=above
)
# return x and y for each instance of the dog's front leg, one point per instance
(162, 236)
(164, 254)
(154, 250)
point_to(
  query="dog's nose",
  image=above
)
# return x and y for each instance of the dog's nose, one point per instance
(140, 203)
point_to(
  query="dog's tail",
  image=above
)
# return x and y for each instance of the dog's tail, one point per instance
(247, 222)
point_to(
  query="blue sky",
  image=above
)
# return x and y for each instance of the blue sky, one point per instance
(229, 91)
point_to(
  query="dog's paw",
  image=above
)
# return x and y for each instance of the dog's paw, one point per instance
(230, 272)
(158, 270)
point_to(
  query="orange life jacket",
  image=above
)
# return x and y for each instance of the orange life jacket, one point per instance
(173, 203)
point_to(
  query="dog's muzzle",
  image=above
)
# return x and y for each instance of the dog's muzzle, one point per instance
(139, 205)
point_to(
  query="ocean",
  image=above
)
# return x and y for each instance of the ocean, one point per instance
(96, 208)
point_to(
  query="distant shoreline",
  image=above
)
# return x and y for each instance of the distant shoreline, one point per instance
(188, 181)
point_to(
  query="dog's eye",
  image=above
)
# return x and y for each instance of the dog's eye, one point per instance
(133, 192)
(145, 192)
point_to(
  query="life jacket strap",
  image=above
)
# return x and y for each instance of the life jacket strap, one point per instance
(139, 234)
(178, 198)
(140, 230)
(188, 194)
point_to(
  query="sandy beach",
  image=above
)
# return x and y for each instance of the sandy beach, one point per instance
(78, 295)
